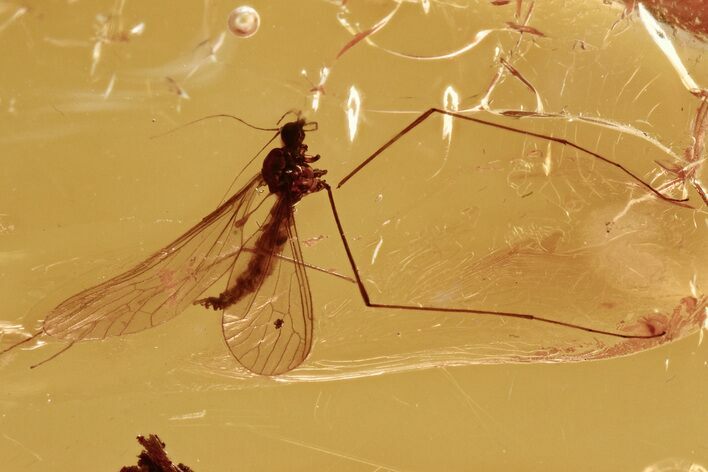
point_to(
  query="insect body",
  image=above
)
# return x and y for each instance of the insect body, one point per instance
(287, 169)
(287, 172)
(267, 303)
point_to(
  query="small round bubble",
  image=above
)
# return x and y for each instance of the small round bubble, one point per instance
(244, 21)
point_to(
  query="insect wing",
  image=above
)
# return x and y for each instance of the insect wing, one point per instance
(160, 287)
(269, 331)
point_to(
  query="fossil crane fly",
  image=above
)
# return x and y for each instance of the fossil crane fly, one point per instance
(267, 310)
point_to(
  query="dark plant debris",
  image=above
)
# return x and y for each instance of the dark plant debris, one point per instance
(154, 458)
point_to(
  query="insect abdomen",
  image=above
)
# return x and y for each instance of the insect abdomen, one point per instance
(272, 238)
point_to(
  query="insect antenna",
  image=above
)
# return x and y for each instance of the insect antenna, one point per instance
(242, 121)
(209, 117)
(292, 111)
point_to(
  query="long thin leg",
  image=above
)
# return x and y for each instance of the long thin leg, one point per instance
(507, 314)
(423, 116)
(404, 131)
(54, 356)
(26, 340)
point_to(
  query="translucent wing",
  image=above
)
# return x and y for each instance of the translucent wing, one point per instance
(269, 329)
(159, 288)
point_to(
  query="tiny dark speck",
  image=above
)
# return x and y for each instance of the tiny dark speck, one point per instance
(278, 323)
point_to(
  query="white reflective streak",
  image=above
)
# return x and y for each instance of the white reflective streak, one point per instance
(426, 6)
(138, 29)
(547, 161)
(95, 56)
(15, 16)
(376, 250)
(109, 88)
(661, 39)
(319, 88)
(451, 102)
(353, 108)
(189, 416)
(216, 46)
(478, 37)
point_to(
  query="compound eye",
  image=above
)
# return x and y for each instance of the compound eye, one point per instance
(292, 134)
